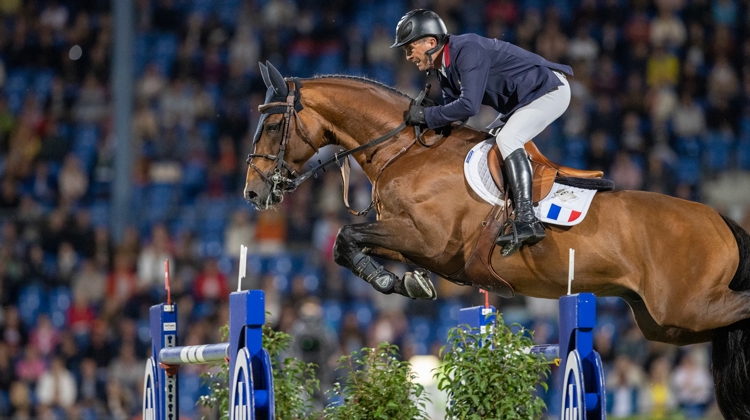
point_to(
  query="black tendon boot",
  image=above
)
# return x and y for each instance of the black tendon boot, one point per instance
(415, 284)
(525, 228)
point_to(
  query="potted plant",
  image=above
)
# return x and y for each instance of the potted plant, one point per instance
(492, 374)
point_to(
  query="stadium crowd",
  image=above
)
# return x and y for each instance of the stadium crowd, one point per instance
(661, 102)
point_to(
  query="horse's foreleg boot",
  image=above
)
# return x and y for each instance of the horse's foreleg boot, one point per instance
(416, 285)
(374, 273)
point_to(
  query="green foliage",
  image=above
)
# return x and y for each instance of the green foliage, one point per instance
(293, 380)
(491, 375)
(378, 386)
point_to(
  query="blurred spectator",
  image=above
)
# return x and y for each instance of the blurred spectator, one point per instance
(89, 283)
(72, 181)
(81, 315)
(20, 401)
(657, 397)
(126, 370)
(44, 337)
(693, 383)
(622, 385)
(56, 387)
(240, 231)
(583, 47)
(122, 282)
(31, 367)
(270, 232)
(626, 174)
(14, 332)
(314, 343)
(663, 68)
(152, 257)
(667, 29)
(688, 119)
(91, 389)
(210, 284)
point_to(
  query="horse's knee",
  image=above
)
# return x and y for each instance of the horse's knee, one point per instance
(342, 246)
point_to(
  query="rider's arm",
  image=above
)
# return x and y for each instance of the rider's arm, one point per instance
(473, 68)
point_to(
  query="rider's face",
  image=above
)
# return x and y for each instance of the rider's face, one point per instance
(416, 52)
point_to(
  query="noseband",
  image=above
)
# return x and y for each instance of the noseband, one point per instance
(284, 178)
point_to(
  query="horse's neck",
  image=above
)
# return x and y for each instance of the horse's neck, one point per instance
(358, 114)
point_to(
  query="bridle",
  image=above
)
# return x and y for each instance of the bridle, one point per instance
(284, 178)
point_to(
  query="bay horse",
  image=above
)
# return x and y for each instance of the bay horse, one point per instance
(682, 267)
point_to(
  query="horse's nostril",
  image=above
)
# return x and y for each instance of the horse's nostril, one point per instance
(250, 195)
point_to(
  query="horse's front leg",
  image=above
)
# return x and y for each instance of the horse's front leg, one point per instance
(389, 238)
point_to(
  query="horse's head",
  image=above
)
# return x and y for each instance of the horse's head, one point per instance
(281, 144)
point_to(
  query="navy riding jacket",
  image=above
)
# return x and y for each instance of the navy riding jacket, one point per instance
(491, 72)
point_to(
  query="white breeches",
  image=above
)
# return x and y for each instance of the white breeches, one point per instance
(527, 122)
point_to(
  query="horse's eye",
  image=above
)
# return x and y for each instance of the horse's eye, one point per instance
(273, 127)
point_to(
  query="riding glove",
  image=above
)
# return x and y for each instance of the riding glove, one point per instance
(415, 116)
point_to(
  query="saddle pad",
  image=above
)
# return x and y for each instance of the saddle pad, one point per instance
(564, 205)
(478, 175)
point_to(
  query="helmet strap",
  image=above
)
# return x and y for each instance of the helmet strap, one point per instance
(433, 50)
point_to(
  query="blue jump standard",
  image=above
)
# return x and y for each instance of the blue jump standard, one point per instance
(581, 381)
(251, 386)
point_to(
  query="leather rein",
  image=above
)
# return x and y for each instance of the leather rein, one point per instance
(283, 183)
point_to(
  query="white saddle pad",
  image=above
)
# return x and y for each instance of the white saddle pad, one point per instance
(564, 205)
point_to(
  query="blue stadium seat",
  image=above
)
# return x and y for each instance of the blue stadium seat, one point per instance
(84, 145)
(333, 313)
(43, 84)
(15, 88)
(448, 311)
(743, 154)
(31, 300)
(688, 147)
(365, 313)
(164, 51)
(716, 155)
(745, 127)
(689, 170)
(60, 299)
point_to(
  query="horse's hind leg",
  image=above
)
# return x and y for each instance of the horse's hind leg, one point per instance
(387, 238)
(654, 332)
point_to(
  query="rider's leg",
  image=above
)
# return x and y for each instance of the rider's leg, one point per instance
(521, 127)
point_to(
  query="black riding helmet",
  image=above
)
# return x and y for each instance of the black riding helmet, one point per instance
(418, 24)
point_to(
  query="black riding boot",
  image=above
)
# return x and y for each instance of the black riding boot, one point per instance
(526, 228)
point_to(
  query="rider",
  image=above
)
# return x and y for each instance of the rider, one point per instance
(528, 91)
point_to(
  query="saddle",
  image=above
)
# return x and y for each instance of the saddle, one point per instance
(478, 268)
(545, 171)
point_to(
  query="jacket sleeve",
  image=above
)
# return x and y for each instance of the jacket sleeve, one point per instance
(473, 68)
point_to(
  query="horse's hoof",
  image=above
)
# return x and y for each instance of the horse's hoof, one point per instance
(417, 285)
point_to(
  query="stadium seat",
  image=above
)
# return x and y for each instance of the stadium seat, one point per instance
(717, 152)
(31, 300)
(333, 313)
(59, 300)
(743, 154)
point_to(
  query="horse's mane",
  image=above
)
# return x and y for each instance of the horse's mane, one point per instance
(363, 80)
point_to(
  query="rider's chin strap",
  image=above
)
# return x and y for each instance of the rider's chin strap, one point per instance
(441, 43)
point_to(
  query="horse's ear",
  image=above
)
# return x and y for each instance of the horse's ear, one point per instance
(264, 73)
(277, 80)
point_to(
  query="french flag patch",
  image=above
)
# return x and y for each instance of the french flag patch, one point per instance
(558, 213)
(564, 205)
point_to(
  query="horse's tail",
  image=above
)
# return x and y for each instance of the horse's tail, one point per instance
(731, 344)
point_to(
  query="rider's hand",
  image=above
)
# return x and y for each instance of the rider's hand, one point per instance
(415, 116)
